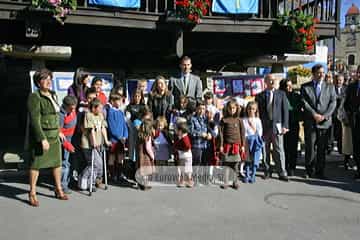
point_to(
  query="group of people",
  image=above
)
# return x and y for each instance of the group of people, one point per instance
(177, 119)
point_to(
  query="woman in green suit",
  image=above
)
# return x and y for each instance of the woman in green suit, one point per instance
(45, 135)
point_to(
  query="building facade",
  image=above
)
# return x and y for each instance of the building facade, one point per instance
(348, 47)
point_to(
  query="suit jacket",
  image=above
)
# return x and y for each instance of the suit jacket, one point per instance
(324, 105)
(352, 102)
(280, 110)
(339, 98)
(194, 91)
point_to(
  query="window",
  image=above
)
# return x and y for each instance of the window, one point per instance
(351, 59)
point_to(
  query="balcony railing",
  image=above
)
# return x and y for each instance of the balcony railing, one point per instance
(325, 10)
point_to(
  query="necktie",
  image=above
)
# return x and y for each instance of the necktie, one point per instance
(186, 82)
(270, 104)
(318, 89)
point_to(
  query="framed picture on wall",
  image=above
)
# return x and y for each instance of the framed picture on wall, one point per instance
(238, 87)
(219, 86)
(256, 86)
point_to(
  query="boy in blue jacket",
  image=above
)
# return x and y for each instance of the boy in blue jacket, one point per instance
(118, 134)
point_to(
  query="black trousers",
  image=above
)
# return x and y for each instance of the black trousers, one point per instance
(356, 141)
(315, 149)
(291, 140)
(338, 133)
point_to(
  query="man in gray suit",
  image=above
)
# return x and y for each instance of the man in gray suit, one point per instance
(274, 115)
(319, 99)
(186, 84)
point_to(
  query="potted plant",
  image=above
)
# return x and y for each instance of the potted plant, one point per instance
(298, 75)
(189, 11)
(300, 30)
(57, 8)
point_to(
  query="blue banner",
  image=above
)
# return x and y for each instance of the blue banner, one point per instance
(117, 3)
(235, 6)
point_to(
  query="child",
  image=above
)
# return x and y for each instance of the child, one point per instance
(199, 138)
(120, 91)
(210, 107)
(162, 142)
(67, 129)
(142, 88)
(253, 134)
(97, 83)
(212, 147)
(145, 154)
(90, 95)
(184, 156)
(184, 112)
(136, 107)
(93, 137)
(232, 140)
(78, 162)
(118, 134)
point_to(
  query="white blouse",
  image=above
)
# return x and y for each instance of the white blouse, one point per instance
(256, 122)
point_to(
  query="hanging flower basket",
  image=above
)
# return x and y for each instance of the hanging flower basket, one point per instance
(191, 11)
(57, 8)
(300, 30)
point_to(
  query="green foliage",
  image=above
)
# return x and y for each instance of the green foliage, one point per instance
(59, 8)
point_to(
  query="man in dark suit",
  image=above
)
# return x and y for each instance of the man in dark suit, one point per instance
(340, 89)
(319, 99)
(186, 84)
(274, 115)
(352, 108)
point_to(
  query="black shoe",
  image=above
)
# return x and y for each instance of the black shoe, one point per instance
(283, 178)
(321, 176)
(267, 175)
(357, 176)
(308, 174)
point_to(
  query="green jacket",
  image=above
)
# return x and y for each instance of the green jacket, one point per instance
(43, 117)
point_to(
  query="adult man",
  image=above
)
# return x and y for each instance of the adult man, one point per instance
(186, 84)
(319, 99)
(352, 108)
(274, 115)
(340, 89)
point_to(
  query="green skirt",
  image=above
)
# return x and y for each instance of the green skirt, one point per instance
(48, 159)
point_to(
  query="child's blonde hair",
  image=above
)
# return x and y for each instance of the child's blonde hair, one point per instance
(249, 106)
(161, 119)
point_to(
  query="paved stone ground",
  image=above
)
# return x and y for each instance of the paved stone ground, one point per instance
(301, 209)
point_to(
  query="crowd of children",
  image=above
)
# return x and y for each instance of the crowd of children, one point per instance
(197, 137)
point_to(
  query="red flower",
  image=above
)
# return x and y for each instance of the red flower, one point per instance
(179, 3)
(316, 20)
(204, 11)
(191, 17)
(309, 42)
(310, 47)
(302, 30)
(198, 4)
